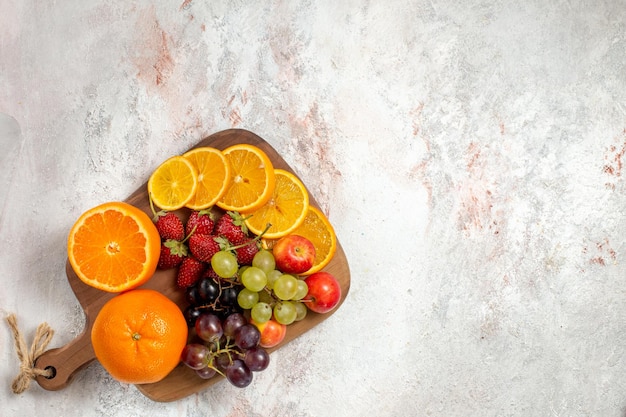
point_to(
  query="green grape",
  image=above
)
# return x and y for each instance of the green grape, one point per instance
(247, 299)
(224, 263)
(301, 291)
(254, 279)
(264, 260)
(261, 312)
(272, 276)
(285, 287)
(301, 310)
(265, 297)
(241, 269)
(285, 312)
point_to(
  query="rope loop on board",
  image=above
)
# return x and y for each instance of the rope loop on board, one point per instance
(27, 356)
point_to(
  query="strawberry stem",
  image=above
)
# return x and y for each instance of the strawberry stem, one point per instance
(155, 214)
(152, 207)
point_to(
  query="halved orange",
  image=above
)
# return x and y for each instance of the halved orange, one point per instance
(114, 247)
(251, 179)
(285, 210)
(173, 184)
(213, 176)
(318, 230)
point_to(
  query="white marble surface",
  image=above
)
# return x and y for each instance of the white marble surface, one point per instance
(469, 153)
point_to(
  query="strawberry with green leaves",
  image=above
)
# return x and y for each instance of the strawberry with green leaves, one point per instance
(203, 246)
(200, 220)
(232, 227)
(173, 252)
(168, 224)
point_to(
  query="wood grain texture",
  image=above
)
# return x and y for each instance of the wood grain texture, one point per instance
(182, 381)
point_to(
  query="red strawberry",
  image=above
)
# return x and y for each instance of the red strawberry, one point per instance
(189, 272)
(203, 247)
(169, 226)
(247, 252)
(172, 254)
(210, 273)
(231, 226)
(202, 221)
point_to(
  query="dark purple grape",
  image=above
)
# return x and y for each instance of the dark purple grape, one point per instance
(206, 372)
(247, 336)
(257, 358)
(208, 289)
(223, 361)
(232, 323)
(192, 295)
(191, 315)
(195, 355)
(209, 327)
(228, 298)
(239, 374)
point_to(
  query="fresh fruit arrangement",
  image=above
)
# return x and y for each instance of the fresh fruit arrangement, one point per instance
(242, 265)
(247, 247)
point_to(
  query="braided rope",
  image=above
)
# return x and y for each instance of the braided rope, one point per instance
(27, 356)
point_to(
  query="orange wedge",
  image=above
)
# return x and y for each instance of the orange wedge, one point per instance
(251, 179)
(213, 176)
(173, 184)
(318, 230)
(285, 210)
(114, 247)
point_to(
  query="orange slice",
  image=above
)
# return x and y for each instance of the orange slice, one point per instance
(285, 210)
(318, 230)
(114, 247)
(173, 184)
(213, 176)
(251, 179)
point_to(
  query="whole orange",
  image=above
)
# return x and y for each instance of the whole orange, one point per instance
(138, 336)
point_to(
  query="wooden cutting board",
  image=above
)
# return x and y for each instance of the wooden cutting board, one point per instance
(182, 381)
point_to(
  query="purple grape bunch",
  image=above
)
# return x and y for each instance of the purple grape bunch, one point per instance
(228, 346)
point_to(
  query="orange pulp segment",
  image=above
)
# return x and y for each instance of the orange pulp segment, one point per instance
(114, 247)
(285, 210)
(173, 184)
(213, 176)
(251, 179)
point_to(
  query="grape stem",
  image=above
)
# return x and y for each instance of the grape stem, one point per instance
(214, 305)
(229, 349)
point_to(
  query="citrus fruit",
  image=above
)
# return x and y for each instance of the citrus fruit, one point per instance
(213, 176)
(138, 336)
(173, 184)
(320, 232)
(114, 247)
(251, 179)
(285, 210)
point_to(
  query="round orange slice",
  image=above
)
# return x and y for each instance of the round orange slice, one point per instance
(284, 211)
(213, 176)
(173, 184)
(114, 247)
(251, 179)
(318, 230)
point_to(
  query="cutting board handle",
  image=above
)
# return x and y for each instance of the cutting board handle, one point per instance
(65, 361)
